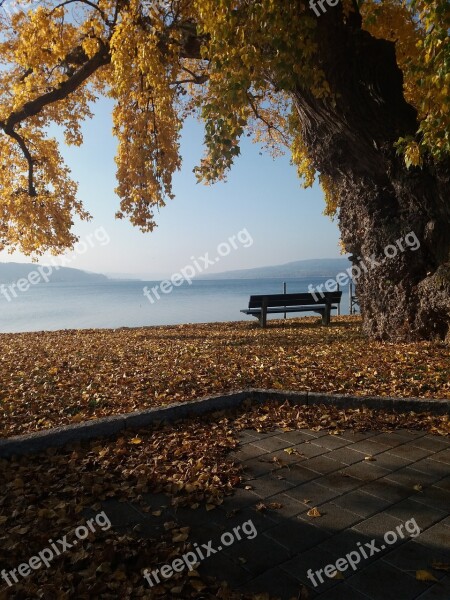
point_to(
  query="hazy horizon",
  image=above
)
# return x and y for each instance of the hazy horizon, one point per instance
(143, 276)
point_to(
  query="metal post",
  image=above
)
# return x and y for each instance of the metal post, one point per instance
(284, 292)
(350, 297)
(339, 304)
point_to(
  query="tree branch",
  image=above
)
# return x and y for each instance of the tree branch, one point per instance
(34, 107)
(87, 2)
(19, 139)
(258, 116)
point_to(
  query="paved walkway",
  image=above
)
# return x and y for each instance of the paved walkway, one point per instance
(405, 485)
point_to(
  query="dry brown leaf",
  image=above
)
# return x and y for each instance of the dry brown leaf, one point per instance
(338, 575)
(274, 505)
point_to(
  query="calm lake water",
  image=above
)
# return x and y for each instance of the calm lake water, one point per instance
(111, 304)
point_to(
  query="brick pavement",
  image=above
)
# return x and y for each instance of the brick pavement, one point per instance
(359, 500)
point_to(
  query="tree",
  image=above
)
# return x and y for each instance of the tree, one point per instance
(359, 93)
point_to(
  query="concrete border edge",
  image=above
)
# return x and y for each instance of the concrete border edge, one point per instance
(105, 427)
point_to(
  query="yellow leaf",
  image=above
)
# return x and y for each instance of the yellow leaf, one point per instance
(136, 440)
(423, 575)
(314, 512)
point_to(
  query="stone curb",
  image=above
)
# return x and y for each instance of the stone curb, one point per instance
(39, 441)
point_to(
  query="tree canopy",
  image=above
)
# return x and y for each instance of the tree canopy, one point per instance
(231, 63)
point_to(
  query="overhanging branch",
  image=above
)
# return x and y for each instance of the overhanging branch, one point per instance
(34, 107)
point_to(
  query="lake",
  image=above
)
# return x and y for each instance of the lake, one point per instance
(111, 304)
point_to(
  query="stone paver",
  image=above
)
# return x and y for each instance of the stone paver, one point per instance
(389, 516)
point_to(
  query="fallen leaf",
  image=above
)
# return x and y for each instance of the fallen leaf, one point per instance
(423, 575)
(198, 585)
(290, 451)
(274, 505)
(314, 512)
(176, 589)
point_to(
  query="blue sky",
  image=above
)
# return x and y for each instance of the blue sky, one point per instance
(262, 195)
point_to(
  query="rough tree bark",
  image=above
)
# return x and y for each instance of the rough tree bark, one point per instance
(352, 142)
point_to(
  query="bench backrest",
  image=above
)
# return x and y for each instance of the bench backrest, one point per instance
(303, 299)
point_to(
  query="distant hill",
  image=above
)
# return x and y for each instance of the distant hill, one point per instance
(10, 272)
(315, 267)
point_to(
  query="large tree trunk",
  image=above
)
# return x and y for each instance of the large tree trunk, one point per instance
(407, 297)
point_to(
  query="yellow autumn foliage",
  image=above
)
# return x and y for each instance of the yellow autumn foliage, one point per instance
(232, 63)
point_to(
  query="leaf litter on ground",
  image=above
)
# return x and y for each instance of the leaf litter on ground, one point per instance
(56, 378)
(46, 495)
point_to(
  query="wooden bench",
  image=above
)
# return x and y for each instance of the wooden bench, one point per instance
(323, 304)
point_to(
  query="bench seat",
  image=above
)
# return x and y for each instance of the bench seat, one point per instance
(261, 306)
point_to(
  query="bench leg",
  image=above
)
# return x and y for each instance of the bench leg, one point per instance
(326, 315)
(263, 320)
